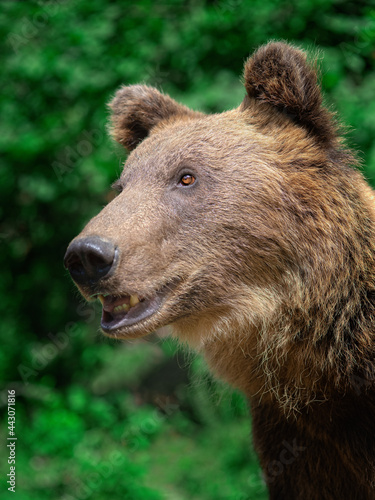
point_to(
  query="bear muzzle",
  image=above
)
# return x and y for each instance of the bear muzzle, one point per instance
(91, 262)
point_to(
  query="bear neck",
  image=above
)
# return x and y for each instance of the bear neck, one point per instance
(292, 373)
(303, 353)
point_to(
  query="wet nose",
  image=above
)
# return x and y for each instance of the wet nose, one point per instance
(90, 259)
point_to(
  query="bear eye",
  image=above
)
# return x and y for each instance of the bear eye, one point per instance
(187, 180)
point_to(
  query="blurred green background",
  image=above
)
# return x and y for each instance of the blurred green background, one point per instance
(142, 420)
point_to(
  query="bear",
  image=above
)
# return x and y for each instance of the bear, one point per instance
(252, 233)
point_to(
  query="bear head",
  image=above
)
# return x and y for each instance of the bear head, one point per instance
(222, 218)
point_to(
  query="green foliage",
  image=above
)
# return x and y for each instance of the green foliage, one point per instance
(85, 429)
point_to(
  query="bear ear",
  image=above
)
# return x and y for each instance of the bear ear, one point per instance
(279, 74)
(136, 109)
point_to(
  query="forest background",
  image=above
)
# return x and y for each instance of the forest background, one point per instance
(143, 420)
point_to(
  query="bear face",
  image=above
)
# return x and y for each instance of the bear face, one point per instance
(178, 219)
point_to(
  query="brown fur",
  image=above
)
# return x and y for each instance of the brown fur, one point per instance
(270, 261)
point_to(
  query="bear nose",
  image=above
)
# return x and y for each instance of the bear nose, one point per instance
(90, 259)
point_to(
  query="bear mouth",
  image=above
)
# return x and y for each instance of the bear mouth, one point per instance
(120, 312)
(126, 310)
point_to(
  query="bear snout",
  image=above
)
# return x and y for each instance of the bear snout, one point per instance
(90, 259)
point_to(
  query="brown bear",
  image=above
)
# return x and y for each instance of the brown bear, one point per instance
(252, 235)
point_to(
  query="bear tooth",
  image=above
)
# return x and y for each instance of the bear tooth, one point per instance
(134, 300)
(122, 307)
(101, 298)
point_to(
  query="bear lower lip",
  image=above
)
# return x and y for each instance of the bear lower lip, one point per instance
(141, 311)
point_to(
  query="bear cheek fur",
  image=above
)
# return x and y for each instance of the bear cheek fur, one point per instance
(230, 230)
